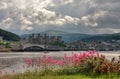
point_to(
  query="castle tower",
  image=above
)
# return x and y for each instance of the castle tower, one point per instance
(30, 39)
(59, 39)
(39, 38)
(33, 35)
(52, 39)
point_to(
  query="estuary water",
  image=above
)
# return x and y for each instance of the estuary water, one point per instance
(16, 60)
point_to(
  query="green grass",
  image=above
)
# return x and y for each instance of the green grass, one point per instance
(58, 77)
(52, 76)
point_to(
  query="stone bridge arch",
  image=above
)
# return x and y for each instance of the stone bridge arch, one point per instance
(30, 47)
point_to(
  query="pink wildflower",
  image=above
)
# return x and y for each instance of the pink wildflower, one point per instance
(23, 66)
(28, 61)
(6, 72)
(61, 63)
(37, 61)
(13, 71)
(44, 59)
(67, 58)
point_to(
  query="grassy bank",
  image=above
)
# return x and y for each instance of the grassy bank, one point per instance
(77, 76)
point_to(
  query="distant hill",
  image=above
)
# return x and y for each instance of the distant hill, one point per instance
(54, 32)
(9, 36)
(103, 37)
(66, 37)
(71, 37)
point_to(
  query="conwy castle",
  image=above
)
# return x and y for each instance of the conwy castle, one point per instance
(44, 39)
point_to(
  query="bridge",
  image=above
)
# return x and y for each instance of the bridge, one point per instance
(30, 47)
(38, 47)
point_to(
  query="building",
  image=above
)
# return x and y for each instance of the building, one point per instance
(44, 39)
(1, 38)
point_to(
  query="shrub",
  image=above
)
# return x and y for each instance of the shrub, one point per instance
(86, 62)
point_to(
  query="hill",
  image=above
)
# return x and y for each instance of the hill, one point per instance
(54, 32)
(9, 36)
(71, 37)
(66, 37)
(104, 37)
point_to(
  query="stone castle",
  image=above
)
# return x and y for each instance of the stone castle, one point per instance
(44, 39)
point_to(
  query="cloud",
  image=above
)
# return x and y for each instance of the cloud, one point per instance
(26, 22)
(3, 5)
(25, 27)
(84, 16)
(6, 23)
(109, 30)
(91, 20)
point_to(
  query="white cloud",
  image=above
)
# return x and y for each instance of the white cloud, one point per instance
(71, 20)
(109, 30)
(91, 20)
(3, 5)
(6, 23)
(26, 22)
(25, 27)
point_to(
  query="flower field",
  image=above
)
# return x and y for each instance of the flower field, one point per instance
(91, 64)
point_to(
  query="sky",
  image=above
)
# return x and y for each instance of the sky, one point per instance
(74, 16)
